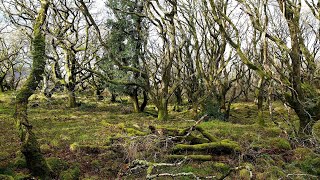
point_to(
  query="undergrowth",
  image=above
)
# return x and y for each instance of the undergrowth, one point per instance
(76, 141)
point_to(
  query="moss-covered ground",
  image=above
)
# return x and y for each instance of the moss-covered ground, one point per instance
(76, 142)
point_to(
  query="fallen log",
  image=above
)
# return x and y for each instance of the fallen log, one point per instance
(223, 147)
(191, 157)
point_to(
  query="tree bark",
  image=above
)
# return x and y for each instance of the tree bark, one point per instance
(163, 113)
(145, 101)
(135, 101)
(30, 147)
(1, 85)
(260, 99)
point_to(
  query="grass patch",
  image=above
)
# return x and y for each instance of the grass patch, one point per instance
(67, 135)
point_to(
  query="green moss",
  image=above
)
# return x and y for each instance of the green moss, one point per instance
(6, 177)
(92, 178)
(191, 157)
(135, 132)
(74, 147)
(223, 147)
(274, 172)
(57, 165)
(95, 163)
(196, 140)
(55, 143)
(280, 143)
(121, 125)
(206, 134)
(311, 165)
(244, 174)
(316, 131)
(271, 143)
(4, 156)
(45, 148)
(272, 131)
(106, 124)
(20, 162)
(221, 167)
(21, 176)
(301, 154)
(70, 174)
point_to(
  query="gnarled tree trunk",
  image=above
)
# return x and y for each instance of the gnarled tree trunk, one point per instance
(30, 147)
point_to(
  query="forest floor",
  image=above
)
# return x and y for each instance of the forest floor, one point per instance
(104, 140)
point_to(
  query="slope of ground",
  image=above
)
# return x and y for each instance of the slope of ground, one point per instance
(101, 140)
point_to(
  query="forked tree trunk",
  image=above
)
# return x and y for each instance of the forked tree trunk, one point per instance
(30, 147)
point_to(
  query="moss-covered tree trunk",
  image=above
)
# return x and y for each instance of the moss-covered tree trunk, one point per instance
(260, 98)
(71, 77)
(30, 147)
(163, 113)
(297, 98)
(2, 80)
(135, 100)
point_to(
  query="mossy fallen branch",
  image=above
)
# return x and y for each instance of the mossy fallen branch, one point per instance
(191, 157)
(151, 165)
(183, 174)
(185, 134)
(223, 147)
(89, 149)
(206, 134)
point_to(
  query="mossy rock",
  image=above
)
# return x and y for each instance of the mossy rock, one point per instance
(6, 177)
(70, 174)
(56, 165)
